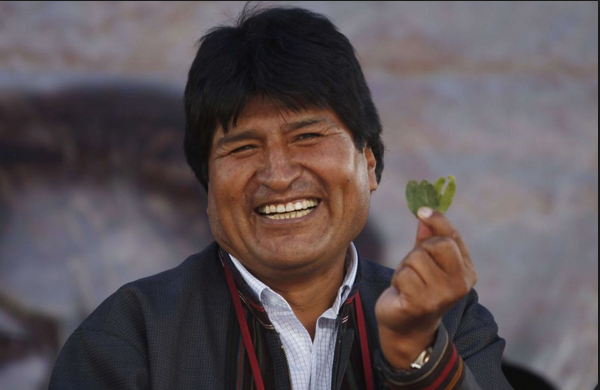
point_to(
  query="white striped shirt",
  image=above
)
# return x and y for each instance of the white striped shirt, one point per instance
(310, 362)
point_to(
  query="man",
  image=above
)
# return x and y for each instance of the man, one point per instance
(282, 132)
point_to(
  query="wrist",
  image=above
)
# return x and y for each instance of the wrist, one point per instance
(402, 351)
(442, 354)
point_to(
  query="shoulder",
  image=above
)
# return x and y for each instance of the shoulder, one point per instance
(196, 274)
(375, 272)
(374, 277)
(161, 299)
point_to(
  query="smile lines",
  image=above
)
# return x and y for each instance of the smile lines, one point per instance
(290, 210)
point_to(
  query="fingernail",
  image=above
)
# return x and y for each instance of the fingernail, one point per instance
(425, 212)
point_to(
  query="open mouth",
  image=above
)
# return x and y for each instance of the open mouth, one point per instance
(290, 210)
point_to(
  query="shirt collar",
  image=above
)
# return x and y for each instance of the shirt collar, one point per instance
(264, 292)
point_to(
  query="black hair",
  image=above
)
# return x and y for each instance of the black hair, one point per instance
(291, 56)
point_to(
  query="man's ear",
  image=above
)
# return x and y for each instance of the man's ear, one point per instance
(371, 164)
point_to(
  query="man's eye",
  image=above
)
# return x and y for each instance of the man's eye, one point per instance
(242, 148)
(307, 136)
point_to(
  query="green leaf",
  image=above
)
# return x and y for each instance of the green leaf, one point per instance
(412, 188)
(439, 186)
(430, 195)
(421, 194)
(448, 195)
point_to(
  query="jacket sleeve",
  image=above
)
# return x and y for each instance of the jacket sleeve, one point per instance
(467, 355)
(95, 359)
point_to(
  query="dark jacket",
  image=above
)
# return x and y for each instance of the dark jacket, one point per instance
(178, 330)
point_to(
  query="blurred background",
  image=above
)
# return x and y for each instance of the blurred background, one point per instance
(95, 192)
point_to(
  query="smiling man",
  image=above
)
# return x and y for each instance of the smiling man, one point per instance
(283, 134)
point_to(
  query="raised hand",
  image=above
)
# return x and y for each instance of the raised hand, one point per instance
(434, 276)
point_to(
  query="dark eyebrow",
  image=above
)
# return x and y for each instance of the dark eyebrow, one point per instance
(232, 138)
(304, 123)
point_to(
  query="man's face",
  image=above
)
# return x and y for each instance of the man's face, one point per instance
(273, 161)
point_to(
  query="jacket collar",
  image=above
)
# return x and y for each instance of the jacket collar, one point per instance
(253, 303)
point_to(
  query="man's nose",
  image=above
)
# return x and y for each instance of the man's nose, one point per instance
(279, 170)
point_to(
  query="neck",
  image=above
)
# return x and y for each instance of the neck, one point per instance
(311, 294)
(310, 300)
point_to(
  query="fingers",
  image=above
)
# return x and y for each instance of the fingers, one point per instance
(418, 270)
(423, 287)
(445, 253)
(447, 256)
(439, 225)
(423, 233)
(435, 263)
(436, 221)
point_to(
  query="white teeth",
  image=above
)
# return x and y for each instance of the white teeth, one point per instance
(290, 210)
(291, 215)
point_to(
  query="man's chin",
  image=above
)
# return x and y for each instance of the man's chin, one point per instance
(290, 262)
(284, 263)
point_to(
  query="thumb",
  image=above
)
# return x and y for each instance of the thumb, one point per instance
(423, 233)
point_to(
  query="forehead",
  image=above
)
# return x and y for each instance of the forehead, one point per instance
(261, 107)
(277, 116)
